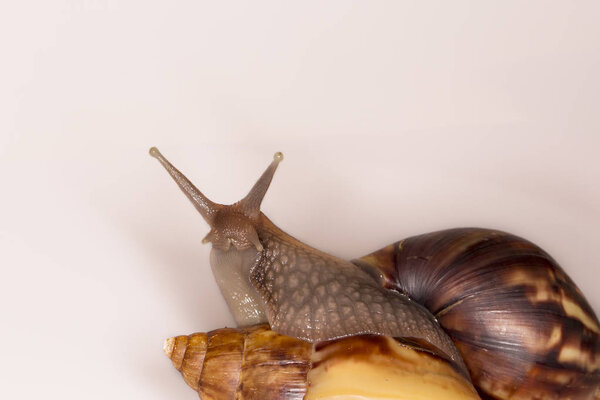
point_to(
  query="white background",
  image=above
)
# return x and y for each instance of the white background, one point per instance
(395, 118)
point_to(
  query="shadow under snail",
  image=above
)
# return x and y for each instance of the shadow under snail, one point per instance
(495, 307)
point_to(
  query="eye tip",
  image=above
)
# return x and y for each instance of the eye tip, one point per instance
(154, 152)
(278, 156)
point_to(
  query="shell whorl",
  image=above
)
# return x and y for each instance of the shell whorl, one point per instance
(253, 363)
(257, 363)
(523, 327)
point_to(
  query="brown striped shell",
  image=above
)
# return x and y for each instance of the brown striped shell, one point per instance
(257, 363)
(522, 326)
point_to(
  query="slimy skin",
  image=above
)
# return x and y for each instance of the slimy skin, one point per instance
(231, 270)
(317, 297)
(310, 295)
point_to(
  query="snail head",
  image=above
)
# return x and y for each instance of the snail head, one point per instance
(230, 224)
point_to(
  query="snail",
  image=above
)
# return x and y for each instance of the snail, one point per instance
(257, 363)
(495, 307)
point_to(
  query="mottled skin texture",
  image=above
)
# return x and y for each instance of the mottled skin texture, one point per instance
(314, 296)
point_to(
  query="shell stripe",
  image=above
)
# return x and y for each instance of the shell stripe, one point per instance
(523, 327)
(277, 367)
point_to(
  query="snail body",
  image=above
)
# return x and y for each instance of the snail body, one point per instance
(523, 327)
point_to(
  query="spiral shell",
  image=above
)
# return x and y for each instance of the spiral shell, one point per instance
(523, 327)
(258, 363)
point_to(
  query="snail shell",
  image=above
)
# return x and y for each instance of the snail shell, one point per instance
(523, 327)
(257, 363)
